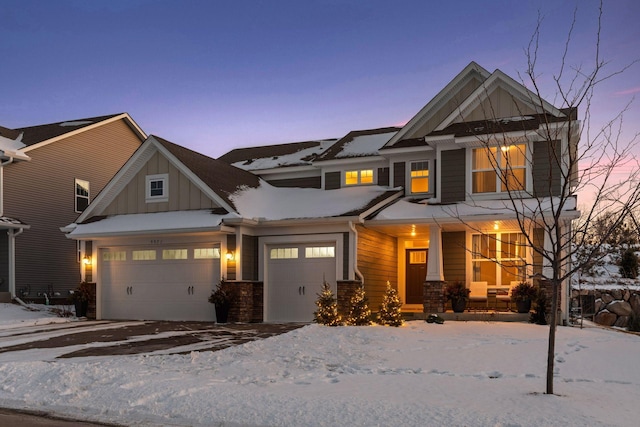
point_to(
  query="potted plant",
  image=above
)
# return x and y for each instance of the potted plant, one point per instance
(80, 297)
(221, 298)
(523, 293)
(458, 293)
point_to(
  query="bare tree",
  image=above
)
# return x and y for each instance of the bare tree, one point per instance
(569, 157)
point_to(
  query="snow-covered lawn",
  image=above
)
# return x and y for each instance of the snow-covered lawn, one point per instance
(455, 374)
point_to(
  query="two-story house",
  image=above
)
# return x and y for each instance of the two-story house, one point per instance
(49, 174)
(413, 207)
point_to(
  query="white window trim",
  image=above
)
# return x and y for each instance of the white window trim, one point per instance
(374, 177)
(164, 177)
(77, 181)
(408, 178)
(499, 194)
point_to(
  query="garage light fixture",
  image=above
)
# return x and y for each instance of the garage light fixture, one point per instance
(86, 260)
(230, 256)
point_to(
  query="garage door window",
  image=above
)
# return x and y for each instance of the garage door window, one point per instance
(320, 252)
(206, 253)
(144, 255)
(174, 254)
(114, 256)
(284, 253)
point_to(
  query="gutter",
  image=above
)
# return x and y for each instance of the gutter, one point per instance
(355, 252)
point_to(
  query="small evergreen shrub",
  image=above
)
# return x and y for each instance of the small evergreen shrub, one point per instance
(629, 264)
(390, 310)
(359, 313)
(539, 314)
(327, 313)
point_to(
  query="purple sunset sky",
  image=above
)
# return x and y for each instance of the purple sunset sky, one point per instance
(214, 75)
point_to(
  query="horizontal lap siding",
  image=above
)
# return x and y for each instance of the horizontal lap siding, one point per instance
(42, 194)
(378, 263)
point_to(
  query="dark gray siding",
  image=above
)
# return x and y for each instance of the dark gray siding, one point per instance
(453, 173)
(4, 262)
(399, 174)
(383, 177)
(332, 180)
(345, 257)
(308, 182)
(249, 257)
(454, 256)
(546, 168)
(41, 193)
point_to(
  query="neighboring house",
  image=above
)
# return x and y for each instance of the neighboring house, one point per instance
(414, 207)
(68, 164)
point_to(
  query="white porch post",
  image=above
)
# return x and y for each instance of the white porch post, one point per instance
(435, 271)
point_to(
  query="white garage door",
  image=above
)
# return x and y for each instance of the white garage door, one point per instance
(295, 275)
(159, 283)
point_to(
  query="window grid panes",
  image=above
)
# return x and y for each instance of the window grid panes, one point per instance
(174, 254)
(501, 168)
(114, 256)
(499, 258)
(143, 255)
(206, 253)
(82, 195)
(156, 188)
(320, 252)
(364, 176)
(420, 177)
(284, 253)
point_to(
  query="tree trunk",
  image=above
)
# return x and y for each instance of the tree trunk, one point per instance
(552, 335)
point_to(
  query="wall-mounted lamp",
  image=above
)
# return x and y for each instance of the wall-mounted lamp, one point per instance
(230, 256)
(86, 260)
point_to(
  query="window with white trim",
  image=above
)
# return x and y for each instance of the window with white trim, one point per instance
(157, 188)
(419, 176)
(358, 177)
(283, 253)
(498, 258)
(174, 254)
(144, 255)
(499, 169)
(82, 194)
(114, 256)
(320, 252)
(206, 253)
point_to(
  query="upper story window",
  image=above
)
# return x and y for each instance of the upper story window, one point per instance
(82, 195)
(157, 188)
(420, 177)
(358, 177)
(499, 169)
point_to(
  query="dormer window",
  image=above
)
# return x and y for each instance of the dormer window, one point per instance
(157, 188)
(420, 177)
(358, 177)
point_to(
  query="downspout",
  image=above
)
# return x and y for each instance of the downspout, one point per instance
(12, 259)
(355, 252)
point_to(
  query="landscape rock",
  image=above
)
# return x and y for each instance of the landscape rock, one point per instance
(622, 321)
(616, 293)
(606, 298)
(634, 300)
(605, 318)
(619, 307)
(600, 305)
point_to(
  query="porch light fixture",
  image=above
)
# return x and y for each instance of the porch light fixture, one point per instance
(230, 256)
(413, 231)
(495, 225)
(86, 260)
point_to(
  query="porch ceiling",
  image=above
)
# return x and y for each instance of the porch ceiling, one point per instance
(420, 229)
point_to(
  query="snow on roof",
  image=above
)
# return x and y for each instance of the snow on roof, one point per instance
(365, 145)
(149, 222)
(76, 123)
(293, 159)
(405, 210)
(9, 147)
(275, 203)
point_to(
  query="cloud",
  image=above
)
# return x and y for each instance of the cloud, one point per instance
(628, 91)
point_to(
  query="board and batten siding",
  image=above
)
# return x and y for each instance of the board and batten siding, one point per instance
(249, 257)
(453, 175)
(332, 180)
(183, 194)
(378, 263)
(399, 174)
(41, 193)
(454, 255)
(499, 103)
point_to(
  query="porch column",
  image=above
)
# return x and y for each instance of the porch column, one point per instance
(434, 261)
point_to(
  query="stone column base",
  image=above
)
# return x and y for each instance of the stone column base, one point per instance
(433, 296)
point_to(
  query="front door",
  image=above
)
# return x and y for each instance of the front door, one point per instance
(416, 274)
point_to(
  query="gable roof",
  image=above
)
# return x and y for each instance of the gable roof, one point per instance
(359, 143)
(279, 155)
(9, 133)
(501, 125)
(37, 136)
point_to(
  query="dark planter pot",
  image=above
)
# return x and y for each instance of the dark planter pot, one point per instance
(222, 313)
(81, 308)
(458, 305)
(523, 306)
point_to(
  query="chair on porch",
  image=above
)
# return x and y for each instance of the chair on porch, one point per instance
(504, 295)
(478, 293)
